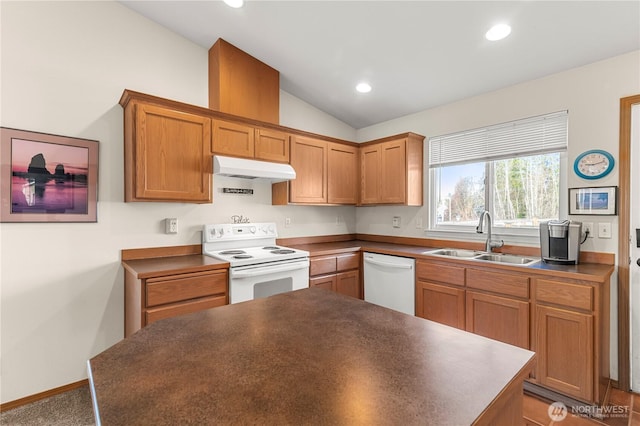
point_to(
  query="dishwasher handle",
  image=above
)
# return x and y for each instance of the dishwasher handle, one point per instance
(388, 264)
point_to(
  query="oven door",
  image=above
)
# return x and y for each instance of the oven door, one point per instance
(256, 281)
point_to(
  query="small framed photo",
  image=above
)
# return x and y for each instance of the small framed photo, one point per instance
(593, 201)
(47, 178)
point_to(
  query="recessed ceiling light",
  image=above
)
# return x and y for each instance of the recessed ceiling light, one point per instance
(363, 87)
(498, 32)
(234, 3)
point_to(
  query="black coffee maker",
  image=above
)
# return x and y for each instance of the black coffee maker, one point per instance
(560, 241)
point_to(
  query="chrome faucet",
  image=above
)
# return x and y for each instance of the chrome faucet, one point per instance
(489, 245)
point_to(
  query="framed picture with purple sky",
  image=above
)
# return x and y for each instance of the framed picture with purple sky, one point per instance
(47, 178)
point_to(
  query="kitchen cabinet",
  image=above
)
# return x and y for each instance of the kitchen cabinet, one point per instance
(326, 173)
(566, 338)
(167, 155)
(309, 160)
(342, 173)
(566, 322)
(440, 294)
(500, 308)
(244, 140)
(157, 297)
(391, 170)
(498, 318)
(337, 272)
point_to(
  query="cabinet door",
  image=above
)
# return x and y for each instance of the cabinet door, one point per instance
(272, 145)
(172, 159)
(564, 344)
(348, 283)
(499, 318)
(370, 165)
(309, 159)
(393, 186)
(440, 304)
(342, 183)
(233, 139)
(327, 282)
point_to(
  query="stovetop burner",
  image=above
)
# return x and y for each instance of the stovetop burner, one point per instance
(230, 252)
(282, 251)
(247, 244)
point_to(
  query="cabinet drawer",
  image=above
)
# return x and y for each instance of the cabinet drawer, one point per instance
(185, 287)
(571, 295)
(439, 272)
(322, 265)
(499, 282)
(348, 261)
(169, 311)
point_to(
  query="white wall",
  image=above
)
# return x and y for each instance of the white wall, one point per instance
(590, 93)
(64, 67)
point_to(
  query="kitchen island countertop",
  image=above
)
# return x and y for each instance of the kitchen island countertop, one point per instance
(307, 357)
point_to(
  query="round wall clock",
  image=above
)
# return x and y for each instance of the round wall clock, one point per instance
(593, 164)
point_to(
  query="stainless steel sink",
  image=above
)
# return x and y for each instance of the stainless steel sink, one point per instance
(511, 259)
(454, 253)
(506, 258)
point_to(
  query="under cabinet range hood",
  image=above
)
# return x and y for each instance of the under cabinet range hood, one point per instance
(252, 169)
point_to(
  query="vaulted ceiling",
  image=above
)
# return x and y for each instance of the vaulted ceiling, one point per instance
(415, 54)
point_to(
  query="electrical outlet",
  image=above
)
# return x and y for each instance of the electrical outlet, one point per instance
(171, 225)
(287, 222)
(588, 226)
(604, 230)
(396, 221)
(419, 222)
(339, 220)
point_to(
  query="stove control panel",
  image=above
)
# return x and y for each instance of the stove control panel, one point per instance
(238, 231)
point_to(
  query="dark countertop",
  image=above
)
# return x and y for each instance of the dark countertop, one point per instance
(171, 265)
(594, 272)
(304, 357)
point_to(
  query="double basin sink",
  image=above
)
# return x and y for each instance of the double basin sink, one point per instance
(510, 259)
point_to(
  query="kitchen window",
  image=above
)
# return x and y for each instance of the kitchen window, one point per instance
(514, 170)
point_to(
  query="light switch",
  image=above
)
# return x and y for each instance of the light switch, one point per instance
(604, 230)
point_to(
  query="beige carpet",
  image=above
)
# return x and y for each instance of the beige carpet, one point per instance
(72, 408)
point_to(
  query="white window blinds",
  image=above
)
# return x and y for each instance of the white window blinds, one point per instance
(529, 136)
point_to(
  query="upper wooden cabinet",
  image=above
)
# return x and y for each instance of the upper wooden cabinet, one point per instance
(309, 160)
(342, 174)
(243, 140)
(240, 84)
(167, 155)
(391, 170)
(326, 173)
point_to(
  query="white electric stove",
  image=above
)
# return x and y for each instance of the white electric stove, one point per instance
(258, 267)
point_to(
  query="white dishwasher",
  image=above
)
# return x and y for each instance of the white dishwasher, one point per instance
(389, 281)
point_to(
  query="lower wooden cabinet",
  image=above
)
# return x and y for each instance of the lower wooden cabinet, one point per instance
(337, 272)
(564, 320)
(441, 304)
(155, 298)
(566, 340)
(498, 318)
